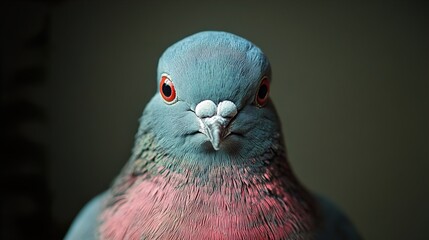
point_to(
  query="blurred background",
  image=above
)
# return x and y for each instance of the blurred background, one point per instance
(350, 82)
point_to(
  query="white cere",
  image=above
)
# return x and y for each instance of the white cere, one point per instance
(226, 109)
(206, 108)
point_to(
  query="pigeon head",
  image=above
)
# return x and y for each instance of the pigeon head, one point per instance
(213, 98)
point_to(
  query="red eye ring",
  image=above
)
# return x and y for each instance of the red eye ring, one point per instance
(262, 94)
(167, 90)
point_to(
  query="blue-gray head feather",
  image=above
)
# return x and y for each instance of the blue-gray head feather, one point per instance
(215, 66)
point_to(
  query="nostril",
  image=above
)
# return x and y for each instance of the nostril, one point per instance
(226, 109)
(206, 108)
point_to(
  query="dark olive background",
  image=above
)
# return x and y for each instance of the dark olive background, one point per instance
(350, 83)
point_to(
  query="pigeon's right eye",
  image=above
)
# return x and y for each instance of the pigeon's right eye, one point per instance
(166, 88)
(261, 97)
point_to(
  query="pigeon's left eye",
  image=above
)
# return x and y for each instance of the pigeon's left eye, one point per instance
(261, 97)
(166, 88)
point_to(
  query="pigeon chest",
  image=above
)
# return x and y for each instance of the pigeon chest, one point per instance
(235, 209)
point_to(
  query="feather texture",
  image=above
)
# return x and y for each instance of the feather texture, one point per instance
(212, 163)
(257, 199)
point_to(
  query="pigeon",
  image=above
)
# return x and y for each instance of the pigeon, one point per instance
(209, 159)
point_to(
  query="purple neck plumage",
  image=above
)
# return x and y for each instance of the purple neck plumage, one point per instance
(158, 197)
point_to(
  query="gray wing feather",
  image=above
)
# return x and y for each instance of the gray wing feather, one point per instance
(85, 224)
(335, 224)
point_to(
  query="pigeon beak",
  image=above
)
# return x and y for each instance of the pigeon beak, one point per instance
(215, 128)
(214, 120)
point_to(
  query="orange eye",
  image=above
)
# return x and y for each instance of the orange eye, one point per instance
(262, 95)
(166, 88)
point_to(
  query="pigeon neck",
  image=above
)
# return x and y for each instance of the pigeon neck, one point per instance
(260, 199)
(150, 160)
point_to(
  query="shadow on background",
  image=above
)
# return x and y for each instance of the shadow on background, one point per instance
(350, 84)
